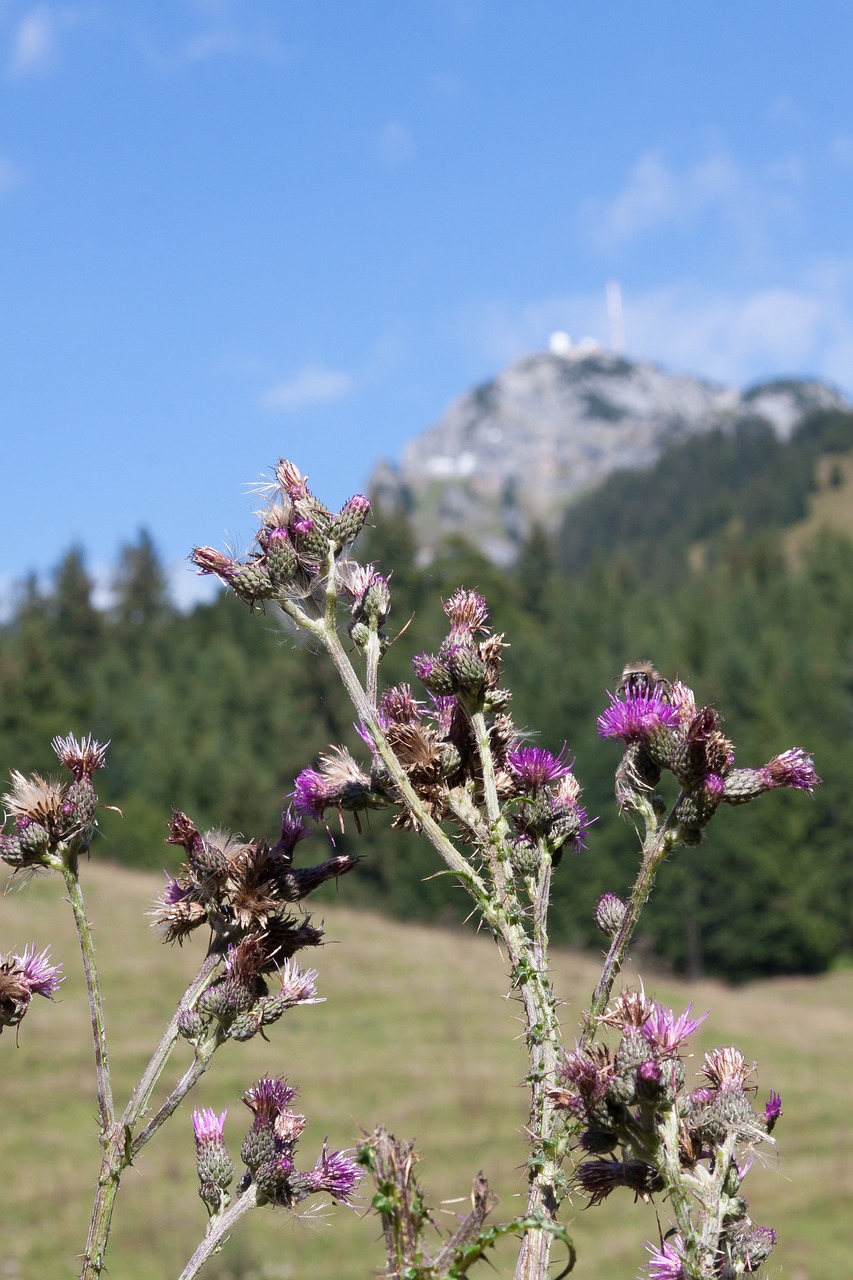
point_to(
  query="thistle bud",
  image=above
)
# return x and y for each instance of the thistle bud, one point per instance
(525, 856)
(281, 558)
(466, 668)
(348, 523)
(609, 914)
(433, 674)
(191, 1024)
(213, 1162)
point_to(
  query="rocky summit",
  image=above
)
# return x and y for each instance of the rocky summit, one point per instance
(516, 451)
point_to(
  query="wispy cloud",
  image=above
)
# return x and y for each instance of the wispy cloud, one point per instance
(395, 142)
(657, 195)
(800, 326)
(10, 175)
(35, 46)
(308, 386)
(34, 43)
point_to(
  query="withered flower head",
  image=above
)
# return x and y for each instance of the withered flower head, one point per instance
(726, 1068)
(81, 757)
(467, 611)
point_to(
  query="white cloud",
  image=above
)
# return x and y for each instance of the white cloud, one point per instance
(657, 195)
(395, 143)
(34, 44)
(308, 386)
(36, 38)
(797, 327)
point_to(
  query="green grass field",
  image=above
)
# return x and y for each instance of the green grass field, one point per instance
(416, 1033)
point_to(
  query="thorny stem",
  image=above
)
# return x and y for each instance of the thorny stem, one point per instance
(106, 1110)
(218, 1229)
(502, 913)
(490, 791)
(142, 1093)
(119, 1148)
(657, 845)
(367, 715)
(528, 952)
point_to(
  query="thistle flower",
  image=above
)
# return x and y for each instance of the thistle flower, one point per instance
(339, 784)
(534, 767)
(207, 1125)
(22, 977)
(467, 611)
(666, 1032)
(598, 1178)
(665, 1262)
(636, 718)
(243, 889)
(42, 977)
(335, 1173)
(726, 1068)
(793, 768)
(772, 1110)
(434, 674)
(81, 757)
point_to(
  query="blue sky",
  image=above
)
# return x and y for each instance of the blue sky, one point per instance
(234, 229)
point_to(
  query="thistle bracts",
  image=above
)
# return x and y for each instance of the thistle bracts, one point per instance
(52, 819)
(244, 892)
(293, 545)
(665, 731)
(646, 1129)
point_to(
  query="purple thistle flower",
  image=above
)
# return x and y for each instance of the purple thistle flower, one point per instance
(650, 1072)
(293, 829)
(311, 794)
(666, 1032)
(636, 718)
(533, 767)
(208, 1126)
(467, 611)
(42, 978)
(174, 891)
(269, 1097)
(793, 768)
(666, 1262)
(772, 1110)
(337, 1175)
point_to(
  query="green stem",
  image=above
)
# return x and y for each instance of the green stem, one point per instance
(656, 847)
(119, 1149)
(217, 1230)
(142, 1093)
(367, 715)
(96, 1009)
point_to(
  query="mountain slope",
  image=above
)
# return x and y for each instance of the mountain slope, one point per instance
(516, 451)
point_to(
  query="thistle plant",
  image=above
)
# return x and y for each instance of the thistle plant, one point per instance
(613, 1109)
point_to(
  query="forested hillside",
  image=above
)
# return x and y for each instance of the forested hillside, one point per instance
(215, 711)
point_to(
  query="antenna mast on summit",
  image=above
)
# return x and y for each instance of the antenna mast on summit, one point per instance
(615, 317)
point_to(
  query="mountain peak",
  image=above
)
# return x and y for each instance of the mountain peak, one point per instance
(515, 451)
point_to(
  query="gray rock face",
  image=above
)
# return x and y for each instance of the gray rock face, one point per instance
(515, 451)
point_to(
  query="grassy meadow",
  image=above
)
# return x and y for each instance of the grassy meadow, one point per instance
(416, 1033)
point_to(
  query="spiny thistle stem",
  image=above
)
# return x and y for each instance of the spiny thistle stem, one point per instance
(142, 1093)
(658, 844)
(120, 1148)
(218, 1230)
(69, 870)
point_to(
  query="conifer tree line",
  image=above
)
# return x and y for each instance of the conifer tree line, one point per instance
(208, 711)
